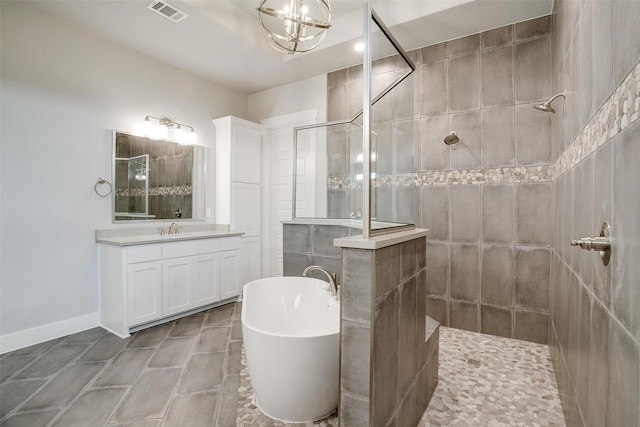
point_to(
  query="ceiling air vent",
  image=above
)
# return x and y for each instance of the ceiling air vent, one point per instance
(165, 9)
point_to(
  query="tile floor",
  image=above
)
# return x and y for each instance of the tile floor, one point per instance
(155, 378)
(492, 381)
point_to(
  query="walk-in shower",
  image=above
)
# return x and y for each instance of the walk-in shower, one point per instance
(360, 169)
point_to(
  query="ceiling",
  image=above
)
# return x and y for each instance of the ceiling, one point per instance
(221, 41)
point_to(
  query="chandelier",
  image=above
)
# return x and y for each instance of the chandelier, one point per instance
(294, 26)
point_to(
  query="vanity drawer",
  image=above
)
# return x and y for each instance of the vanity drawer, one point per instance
(189, 248)
(143, 253)
(229, 243)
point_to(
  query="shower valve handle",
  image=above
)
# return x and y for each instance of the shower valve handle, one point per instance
(601, 243)
(593, 243)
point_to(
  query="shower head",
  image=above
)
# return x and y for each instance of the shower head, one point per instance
(546, 106)
(451, 139)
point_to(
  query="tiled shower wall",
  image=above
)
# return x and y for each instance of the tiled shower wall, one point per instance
(595, 310)
(307, 244)
(487, 199)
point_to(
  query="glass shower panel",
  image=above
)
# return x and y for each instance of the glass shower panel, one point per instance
(340, 174)
(328, 177)
(392, 131)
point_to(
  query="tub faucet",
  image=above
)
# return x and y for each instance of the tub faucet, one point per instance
(173, 228)
(332, 278)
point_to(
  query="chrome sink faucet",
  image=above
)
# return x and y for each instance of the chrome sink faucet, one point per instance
(173, 228)
(332, 278)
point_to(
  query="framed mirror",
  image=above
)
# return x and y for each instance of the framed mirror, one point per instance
(156, 179)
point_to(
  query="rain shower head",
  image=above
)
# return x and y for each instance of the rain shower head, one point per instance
(546, 107)
(451, 139)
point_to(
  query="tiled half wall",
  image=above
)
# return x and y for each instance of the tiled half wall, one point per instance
(485, 200)
(389, 356)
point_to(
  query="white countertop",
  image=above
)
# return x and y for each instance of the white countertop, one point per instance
(129, 236)
(148, 239)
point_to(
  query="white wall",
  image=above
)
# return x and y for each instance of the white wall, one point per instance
(308, 94)
(285, 104)
(63, 91)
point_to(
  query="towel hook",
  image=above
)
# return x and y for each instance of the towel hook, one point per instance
(102, 181)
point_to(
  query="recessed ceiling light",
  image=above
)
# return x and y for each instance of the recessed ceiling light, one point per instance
(359, 47)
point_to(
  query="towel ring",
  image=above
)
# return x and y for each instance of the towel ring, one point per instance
(100, 182)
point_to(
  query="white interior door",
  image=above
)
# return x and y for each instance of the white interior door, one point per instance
(278, 183)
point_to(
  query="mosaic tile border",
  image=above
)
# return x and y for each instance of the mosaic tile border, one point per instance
(619, 111)
(543, 173)
(249, 415)
(176, 190)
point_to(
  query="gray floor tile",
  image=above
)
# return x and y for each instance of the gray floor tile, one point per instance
(212, 340)
(193, 410)
(36, 349)
(233, 363)
(92, 408)
(172, 352)
(220, 317)
(236, 330)
(204, 372)
(125, 368)
(106, 348)
(11, 364)
(187, 326)
(32, 419)
(145, 423)
(52, 361)
(129, 387)
(149, 397)
(151, 337)
(88, 336)
(228, 402)
(63, 387)
(14, 393)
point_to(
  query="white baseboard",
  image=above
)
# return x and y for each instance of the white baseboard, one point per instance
(21, 339)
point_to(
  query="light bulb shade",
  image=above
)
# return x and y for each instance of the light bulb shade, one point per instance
(179, 135)
(294, 26)
(192, 138)
(163, 131)
(144, 128)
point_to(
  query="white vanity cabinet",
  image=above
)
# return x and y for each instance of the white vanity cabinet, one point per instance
(151, 283)
(144, 292)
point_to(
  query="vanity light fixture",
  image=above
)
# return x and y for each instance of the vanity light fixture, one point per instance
(294, 26)
(167, 129)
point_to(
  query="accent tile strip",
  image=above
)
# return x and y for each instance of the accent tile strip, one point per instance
(543, 173)
(619, 111)
(176, 190)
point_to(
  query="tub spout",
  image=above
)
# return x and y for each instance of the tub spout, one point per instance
(332, 277)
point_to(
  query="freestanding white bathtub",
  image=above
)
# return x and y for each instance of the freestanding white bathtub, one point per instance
(291, 328)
